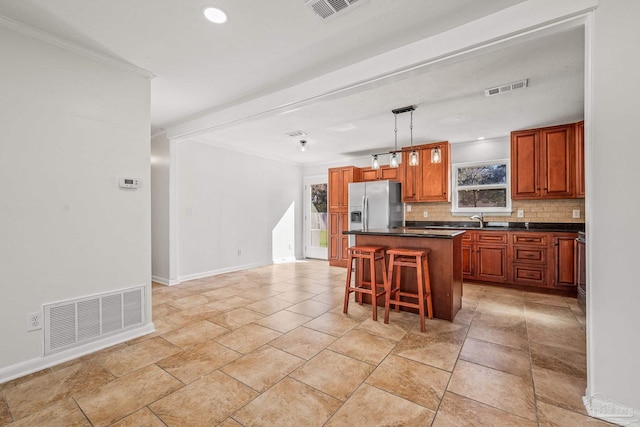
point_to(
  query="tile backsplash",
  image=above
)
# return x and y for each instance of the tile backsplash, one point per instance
(560, 210)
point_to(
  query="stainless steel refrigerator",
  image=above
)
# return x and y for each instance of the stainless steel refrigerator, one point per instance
(375, 204)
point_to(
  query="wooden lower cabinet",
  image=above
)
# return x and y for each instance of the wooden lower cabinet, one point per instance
(338, 242)
(530, 258)
(484, 256)
(564, 260)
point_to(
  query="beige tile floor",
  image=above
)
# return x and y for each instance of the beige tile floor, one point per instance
(271, 347)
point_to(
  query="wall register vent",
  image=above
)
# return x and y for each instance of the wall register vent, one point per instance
(76, 322)
(509, 87)
(326, 9)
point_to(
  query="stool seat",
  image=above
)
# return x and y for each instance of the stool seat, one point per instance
(372, 254)
(413, 258)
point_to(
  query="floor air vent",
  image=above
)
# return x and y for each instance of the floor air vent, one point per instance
(326, 9)
(509, 87)
(72, 323)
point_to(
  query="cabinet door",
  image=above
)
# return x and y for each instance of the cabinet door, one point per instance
(524, 165)
(335, 188)
(393, 174)
(334, 236)
(579, 137)
(564, 262)
(492, 263)
(468, 261)
(347, 177)
(434, 183)
(557, 172)
(369, 174)
(344, 238)
(411, 177)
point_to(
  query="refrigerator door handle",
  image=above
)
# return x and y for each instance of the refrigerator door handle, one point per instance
(365, 209)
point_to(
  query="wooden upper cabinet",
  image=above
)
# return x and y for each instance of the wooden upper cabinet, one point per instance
(428, 181)
(410, 178)
(557, 161)
(385, 172)
(339, 179)
(525, 149)
(543, 163)
(579, 137)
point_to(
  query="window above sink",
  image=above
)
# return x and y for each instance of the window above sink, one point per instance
(481, 187)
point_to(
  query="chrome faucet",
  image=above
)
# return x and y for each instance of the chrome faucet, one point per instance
(478, 217)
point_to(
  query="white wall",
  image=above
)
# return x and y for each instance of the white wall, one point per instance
(228, 204)
(612, 206)
(70, 127)
(160, 209)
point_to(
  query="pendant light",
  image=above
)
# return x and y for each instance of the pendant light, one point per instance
(375, 164)
(435, 155)
(413, 157)
(394, 159)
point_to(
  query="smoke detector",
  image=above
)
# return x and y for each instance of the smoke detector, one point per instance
(509, 87)
(329, 9)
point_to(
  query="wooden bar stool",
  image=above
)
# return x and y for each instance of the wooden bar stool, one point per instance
(414, 258)
(373, 254)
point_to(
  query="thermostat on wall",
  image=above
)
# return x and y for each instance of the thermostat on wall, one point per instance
(129, 183)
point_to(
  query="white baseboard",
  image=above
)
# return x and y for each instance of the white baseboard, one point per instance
(34, 365)
(598, 406)
(221, 271)
(165, 281)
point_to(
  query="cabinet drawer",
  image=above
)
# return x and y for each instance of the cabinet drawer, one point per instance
(530, 254)
(491, 237)
(537, 239)
(467, 237)
(529, 274)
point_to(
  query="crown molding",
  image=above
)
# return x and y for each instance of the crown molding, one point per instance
(76, 48)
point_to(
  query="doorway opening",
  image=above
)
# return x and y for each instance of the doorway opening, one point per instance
(315, 217)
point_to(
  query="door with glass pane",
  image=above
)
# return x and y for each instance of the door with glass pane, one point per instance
(316, 217)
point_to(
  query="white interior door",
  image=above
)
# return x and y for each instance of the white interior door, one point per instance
(316, 234)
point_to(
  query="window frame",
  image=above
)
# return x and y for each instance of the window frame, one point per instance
(496, 211)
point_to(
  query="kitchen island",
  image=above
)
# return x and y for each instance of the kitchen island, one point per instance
(445, 263)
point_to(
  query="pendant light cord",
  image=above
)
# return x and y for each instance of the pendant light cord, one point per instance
(411, 129)
(395, 116)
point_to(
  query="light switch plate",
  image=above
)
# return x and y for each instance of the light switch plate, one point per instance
(576, 213)
(408, 208)
(425, 214)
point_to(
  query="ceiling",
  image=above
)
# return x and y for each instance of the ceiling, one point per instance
(267, 46)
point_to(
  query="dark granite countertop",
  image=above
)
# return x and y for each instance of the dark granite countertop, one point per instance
(409, 232)
(498, 226)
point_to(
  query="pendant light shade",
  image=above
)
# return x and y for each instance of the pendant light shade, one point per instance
(414, 158)
(393, 162)
(435, 155)
(375, 164)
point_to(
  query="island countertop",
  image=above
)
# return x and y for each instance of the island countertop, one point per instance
(408, 232)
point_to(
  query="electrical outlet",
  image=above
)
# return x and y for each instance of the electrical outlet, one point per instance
(520, 213)
(408, 208)
(576, 213)
(425, 214)
(34, 321)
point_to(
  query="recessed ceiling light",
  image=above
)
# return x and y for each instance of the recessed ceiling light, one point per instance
(215, 15)
(480, 138)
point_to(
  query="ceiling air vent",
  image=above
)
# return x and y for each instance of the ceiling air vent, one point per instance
(296, 133)
(326, 9)
(509, 87)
